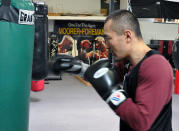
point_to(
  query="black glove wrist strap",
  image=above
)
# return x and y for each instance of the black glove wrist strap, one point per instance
(116, 98)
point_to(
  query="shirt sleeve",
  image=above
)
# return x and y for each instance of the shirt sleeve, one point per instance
(154, 90)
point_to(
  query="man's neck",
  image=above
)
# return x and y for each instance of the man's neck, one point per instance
(138, 52)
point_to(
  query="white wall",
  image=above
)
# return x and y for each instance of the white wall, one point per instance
(73, 6)
(149, 30)
(158, 31)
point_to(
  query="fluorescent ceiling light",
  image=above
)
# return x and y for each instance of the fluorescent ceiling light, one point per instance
(173, 0)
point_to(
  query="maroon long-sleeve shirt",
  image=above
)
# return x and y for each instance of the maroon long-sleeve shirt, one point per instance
(154, 90)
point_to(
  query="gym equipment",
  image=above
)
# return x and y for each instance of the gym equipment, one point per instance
(70, 64)
(175, 53)
(52, 51)
(175, 56)
(40, 56)
(104, 78)
(154, 44)
(37, 85)
(16, 47)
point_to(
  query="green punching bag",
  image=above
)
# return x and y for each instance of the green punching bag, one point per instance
(16, 55)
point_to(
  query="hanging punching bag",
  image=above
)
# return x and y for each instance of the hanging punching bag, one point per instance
(40, 57)
(175, 53)
(16, 49)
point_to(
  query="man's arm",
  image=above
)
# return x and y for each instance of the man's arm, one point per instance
(154, 90)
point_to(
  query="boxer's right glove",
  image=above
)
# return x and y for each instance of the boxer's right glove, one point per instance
(117, 97)
(105, 81)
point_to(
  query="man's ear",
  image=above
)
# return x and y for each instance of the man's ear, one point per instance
(128, 35)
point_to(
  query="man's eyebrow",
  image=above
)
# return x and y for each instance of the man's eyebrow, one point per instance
(105, 36)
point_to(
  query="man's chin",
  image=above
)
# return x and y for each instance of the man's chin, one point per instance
(117, 58)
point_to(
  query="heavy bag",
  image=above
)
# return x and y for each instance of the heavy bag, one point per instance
(40, 56)
(16, 47)
(175, 53)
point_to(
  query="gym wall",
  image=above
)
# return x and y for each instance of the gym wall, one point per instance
(90, 7)
(150, 30)
(158, 31)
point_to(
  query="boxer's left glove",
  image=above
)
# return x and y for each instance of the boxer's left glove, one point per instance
(105, 81)
(67, 63)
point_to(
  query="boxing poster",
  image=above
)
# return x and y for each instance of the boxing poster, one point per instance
(82, 39)
(52, 45)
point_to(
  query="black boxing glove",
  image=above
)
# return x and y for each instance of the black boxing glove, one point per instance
(105, 80)
(67, 63)
(117, 97)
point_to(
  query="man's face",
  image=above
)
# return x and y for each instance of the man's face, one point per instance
(115, 42)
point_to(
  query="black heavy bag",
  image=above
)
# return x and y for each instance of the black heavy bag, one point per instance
(40, 57)
(175, 53)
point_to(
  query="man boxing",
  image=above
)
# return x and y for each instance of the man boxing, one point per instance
(148, 84)
(144, 102)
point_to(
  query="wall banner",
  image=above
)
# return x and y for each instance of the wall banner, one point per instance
(82, 39)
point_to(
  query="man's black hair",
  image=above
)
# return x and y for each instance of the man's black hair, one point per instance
(122, 20)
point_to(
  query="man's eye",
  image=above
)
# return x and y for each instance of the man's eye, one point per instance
(107, 38)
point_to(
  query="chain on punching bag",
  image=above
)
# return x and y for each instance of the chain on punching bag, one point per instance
(16, 47)
(40, 57)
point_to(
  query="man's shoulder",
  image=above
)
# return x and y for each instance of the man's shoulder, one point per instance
(156, 64)
(156, 59)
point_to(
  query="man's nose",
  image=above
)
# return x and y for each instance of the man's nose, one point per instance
(107, 46)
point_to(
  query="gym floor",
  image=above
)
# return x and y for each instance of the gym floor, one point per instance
(70, 105)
